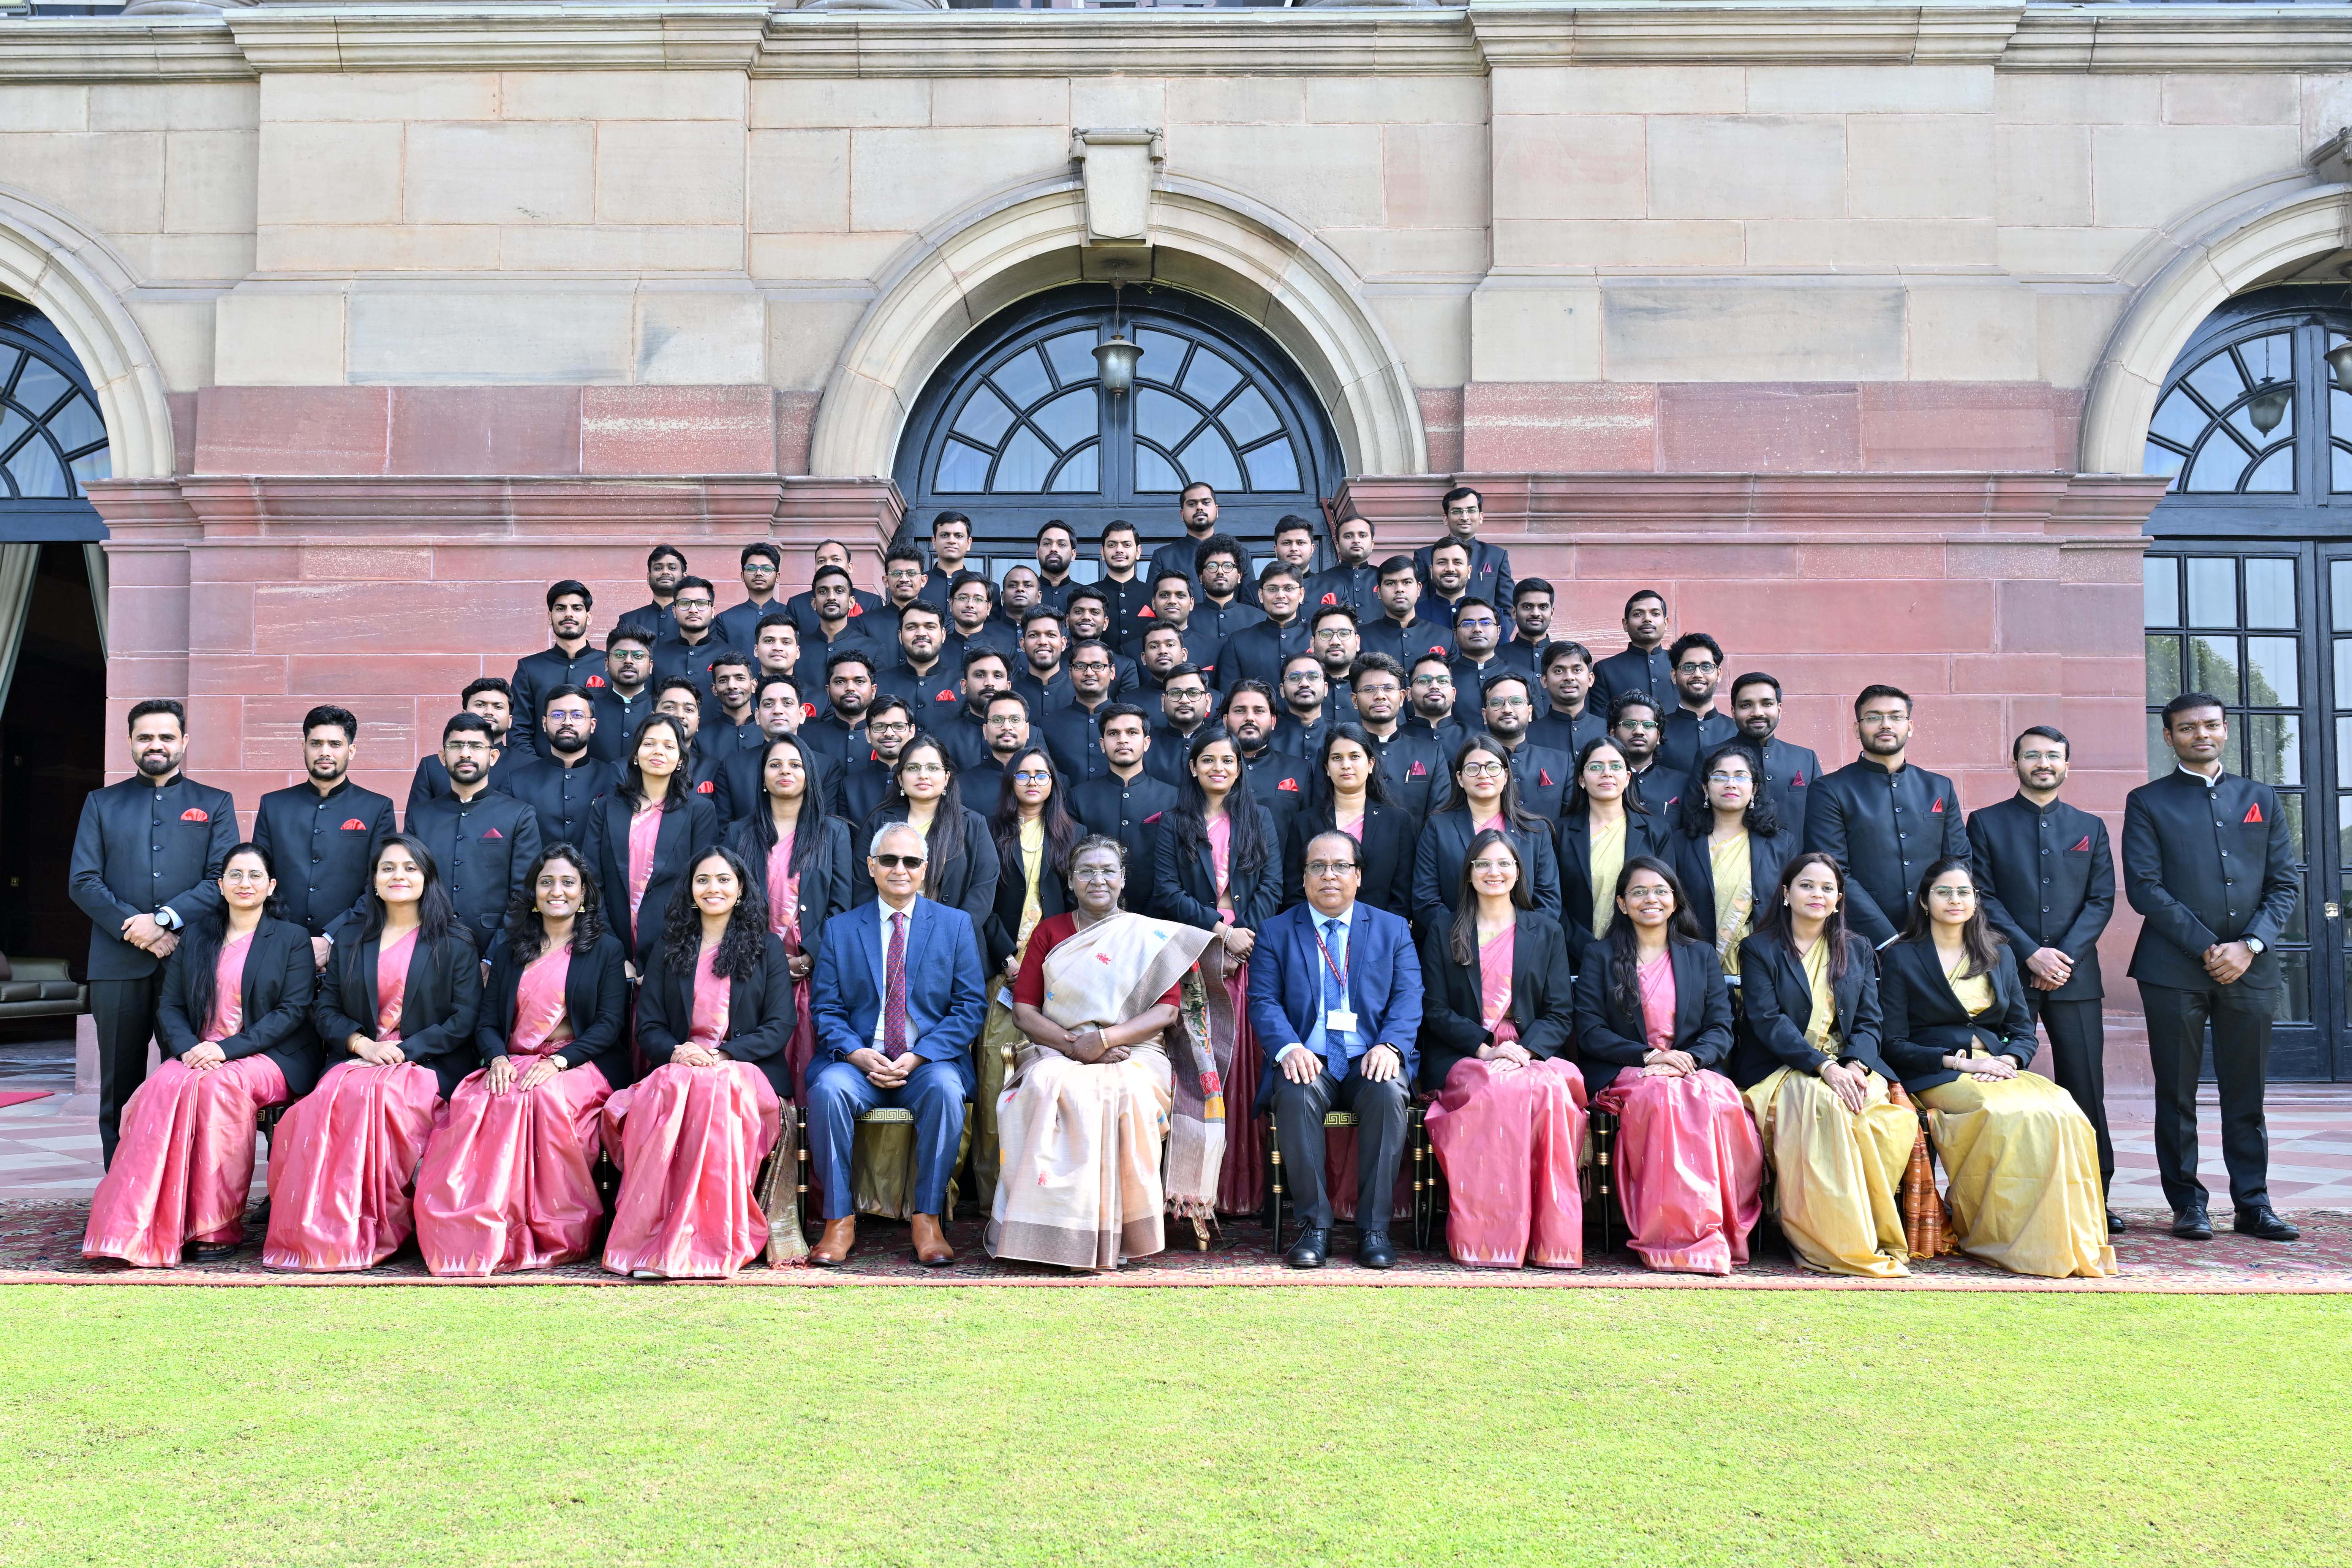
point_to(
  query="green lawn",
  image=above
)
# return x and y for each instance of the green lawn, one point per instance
(676, 1425)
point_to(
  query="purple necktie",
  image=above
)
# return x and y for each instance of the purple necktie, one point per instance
(894, 1001)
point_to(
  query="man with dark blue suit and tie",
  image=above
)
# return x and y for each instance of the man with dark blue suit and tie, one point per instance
(1335, 997)
(898, 998)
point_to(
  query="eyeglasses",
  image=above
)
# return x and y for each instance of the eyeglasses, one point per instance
(1091, 664)
(1377, 689)
(1637, 726)
(1097, 874)
(1508, 703)
(1428, 680)
(1951, 893)
(922, 768)
(685, 604)
(1604, 769)
(1031, 775)
(465, 748)
(893, 862)
(1695, 668)
(1493, 865)
(1729, 778)
(1330, 868)
(1475, 623)
(1483, 769)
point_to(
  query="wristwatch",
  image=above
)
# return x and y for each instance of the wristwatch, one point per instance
(2257, 946)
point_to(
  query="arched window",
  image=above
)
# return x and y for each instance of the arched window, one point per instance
(51, 438)
(1017, 428)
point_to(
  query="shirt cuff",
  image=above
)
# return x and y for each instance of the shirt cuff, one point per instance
(1293, 1045)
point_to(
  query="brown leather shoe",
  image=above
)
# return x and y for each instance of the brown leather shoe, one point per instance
(833, 1248)
(931, 1248)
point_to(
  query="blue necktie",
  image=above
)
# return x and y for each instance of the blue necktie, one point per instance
(1335, 994)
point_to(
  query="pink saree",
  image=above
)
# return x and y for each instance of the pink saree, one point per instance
(508, 1181)
(184, 1164)
(342, 1163)
(689, 1142)
(1690, 1165)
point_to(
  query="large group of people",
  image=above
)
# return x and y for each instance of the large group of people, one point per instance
(1091, 901)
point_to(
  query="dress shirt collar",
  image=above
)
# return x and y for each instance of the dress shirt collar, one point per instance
(885, 911)
(2212, 782)
(1347, 918)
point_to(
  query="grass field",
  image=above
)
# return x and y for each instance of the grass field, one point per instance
(1136, 1427)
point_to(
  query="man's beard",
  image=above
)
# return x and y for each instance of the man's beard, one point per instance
(567, 743)
(156, 767)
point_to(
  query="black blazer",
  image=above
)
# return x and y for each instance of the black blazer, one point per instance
(1779, 1008)
(1004, 928)
(1185, 887)
(2191, 894)
(437, 1012)
(275, 990)
(139, 847)
(688, 831)
(595, 1002)
(322, 850)
(1445, 849)
(1453, 1008)
(965, 881)
(2048, 880)
(1926, 1022)
(1645, 834)
(1608, 1039)
(1390, 836)
(1694, 864)
(824, 886)
(760, 1015)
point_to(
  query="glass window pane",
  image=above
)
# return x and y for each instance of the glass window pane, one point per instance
(964, 470)
(2160, 759)
(41, 385)
(2276, 400)
(1250, 417)
(2273, 475)
(2214, 668)
(2339, 592)
(1273, 467)
(2219, 465)
(1072, 355)
(2180, 421)
(36, 471)
(2344, 748)
(77, 425)
(2343, 675)
(2213, 591)
(1154, 473)
(2275, 748)
(2272, 678)
(1210, 377)
(1163, 419)
(2340, 466)
(2164, 668)
(2217, 380)
(2291, 809)
(2160, 590)
(984, 417)
(2298, 929)
(1079, 477)
(13, 426)
(2294, 999)
(93, 466)
(1163, 356)
(2270, 593)
(1023, 378)
(1023, 469)
(1208, 458)
(2164, 460)
(2343, 839)
(11, 358)
(1069, 418)
(2270, 357)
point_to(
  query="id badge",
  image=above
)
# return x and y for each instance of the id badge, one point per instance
(1341, 1020)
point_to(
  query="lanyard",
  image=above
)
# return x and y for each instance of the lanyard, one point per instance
(1337, 974)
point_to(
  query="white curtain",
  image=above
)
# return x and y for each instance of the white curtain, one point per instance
(18, 565)
(93, 556)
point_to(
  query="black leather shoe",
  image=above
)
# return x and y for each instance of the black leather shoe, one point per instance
(220, 1252)
(2263, 1223)
(1374, 1250)
(2192, 1224)
(2114, 1222)
(1314, 1243)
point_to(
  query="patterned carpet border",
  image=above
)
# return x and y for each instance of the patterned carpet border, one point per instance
(40, 1243)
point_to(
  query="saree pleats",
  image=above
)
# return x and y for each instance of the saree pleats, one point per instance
(184, 1167)
(1837, 1176)
(998, 1034)
(1241, 1178)
(2021, 1164)
(1081, 1172)
(1510, 1142)
(341, 1167)
(508, 1181)
(1689, 1169)
(689, 1142)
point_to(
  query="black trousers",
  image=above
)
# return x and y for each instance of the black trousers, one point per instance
(1381, 1122)
(2240, 1018)
(2078, 1059)
(124, 1014)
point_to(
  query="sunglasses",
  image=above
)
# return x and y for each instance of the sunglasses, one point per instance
(892, 862)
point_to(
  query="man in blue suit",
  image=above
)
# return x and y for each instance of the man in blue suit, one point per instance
(897, 997)
(1335, 997)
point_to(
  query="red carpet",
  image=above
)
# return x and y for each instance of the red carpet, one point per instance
(18, 1096)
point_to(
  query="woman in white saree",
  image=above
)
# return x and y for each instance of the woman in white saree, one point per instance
(1113, 1065)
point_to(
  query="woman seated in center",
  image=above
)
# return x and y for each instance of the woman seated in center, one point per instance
(509, 1180)
(1496, 1016)
(1093, 1094)
(714, 1015)
(1034, 833)
(1808, 1063)
(2021, 1159)
(397, 1008)
(1652, 1026)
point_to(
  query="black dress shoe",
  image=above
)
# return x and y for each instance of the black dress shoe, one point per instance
(2263, 1223)
(2192, 1224)
(2114, 1222)
(1374, 1250)
(217, 1252)
(1314, 1243)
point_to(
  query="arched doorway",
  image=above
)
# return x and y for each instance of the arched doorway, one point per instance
(2249, 597)
(1015, 427)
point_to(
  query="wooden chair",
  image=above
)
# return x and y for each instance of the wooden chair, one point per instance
(1416, 1147)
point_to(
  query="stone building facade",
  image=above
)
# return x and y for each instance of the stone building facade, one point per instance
(1842, 323)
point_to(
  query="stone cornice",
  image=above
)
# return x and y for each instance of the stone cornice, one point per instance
(1310, 41)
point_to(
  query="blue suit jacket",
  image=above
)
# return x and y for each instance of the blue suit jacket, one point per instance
(1286, 985)
(946, 996)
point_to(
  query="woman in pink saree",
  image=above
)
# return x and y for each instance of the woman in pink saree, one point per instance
(1497, 1018)
(508, 1181)
(800, 857)
(1652, 1022)
(1094, 1095)
(714, 1015)
(234, 1027)
(396, 1008)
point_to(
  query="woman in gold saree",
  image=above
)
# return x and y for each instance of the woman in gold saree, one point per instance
(1094, 1093)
